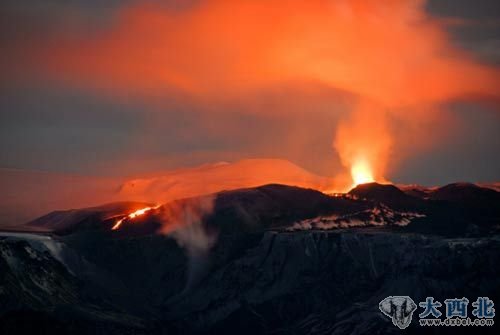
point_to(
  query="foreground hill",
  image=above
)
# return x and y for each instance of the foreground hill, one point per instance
(301, 282)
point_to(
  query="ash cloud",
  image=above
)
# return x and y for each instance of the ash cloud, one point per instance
(396, 60)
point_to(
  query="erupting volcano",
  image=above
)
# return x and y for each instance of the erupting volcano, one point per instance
(248, 166)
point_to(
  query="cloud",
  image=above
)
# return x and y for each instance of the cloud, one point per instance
(393, 59)
(222, 47)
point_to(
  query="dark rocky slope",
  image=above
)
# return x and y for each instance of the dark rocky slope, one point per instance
(312, 282)
(274, 259)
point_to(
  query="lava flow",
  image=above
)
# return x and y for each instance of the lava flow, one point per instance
(133, 215)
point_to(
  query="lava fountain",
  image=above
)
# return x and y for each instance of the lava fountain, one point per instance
(361, 173)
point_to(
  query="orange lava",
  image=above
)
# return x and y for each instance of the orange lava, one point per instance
(133, 215)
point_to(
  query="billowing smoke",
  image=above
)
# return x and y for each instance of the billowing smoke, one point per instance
(184, 221)
(392, 57)
(363, 142)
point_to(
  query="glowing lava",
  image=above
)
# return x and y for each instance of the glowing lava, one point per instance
(361, 173)
(133, 215)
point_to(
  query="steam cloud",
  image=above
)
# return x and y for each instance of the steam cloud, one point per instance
(183, 220)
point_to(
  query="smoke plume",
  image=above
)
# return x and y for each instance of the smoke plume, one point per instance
(183, 220)
(396, 60)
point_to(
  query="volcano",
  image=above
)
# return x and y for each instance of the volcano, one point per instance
(272, 258)
(281, 207)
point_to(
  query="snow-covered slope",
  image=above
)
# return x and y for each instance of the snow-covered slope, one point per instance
(378, 215)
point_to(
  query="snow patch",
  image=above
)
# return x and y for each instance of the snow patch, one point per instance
(379, 215)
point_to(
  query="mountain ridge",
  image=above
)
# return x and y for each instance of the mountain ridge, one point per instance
(276, 206)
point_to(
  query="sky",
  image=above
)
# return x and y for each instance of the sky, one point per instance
(129, 88)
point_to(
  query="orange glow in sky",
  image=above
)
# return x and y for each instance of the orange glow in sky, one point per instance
(395, 60)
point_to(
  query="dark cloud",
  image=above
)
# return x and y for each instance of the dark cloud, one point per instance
(477, 10)
(62, 130)
(469, 154)
(65, 130)
(474, 25)
(32, 20)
